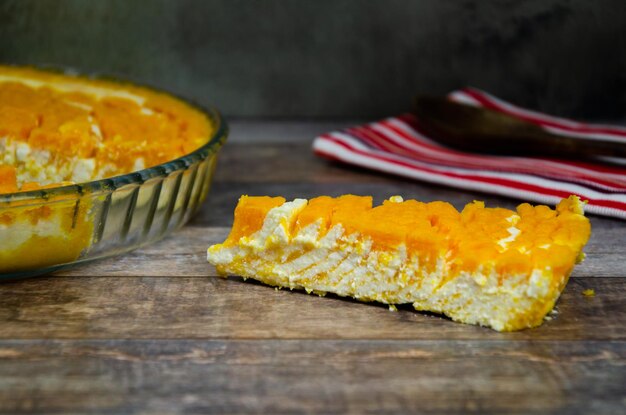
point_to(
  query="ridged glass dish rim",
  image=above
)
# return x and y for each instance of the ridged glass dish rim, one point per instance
(110, 184)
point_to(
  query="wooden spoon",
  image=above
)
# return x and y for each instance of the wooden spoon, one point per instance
(486, 131)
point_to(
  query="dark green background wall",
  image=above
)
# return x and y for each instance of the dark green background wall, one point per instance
(336, 58)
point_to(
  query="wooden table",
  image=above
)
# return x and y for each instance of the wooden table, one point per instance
(154, 331)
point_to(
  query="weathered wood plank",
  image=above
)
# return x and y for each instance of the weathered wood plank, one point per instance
(201, 344)
(130, 376)
(286, 163)
(216, 308)
(184, 254)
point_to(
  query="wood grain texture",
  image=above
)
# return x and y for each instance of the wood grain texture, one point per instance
(216, 308)
(155, 331)
(322, 376)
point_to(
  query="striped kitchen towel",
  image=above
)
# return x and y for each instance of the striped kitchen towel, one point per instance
(396, 145)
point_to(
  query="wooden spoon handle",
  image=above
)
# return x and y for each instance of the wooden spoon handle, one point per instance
(482, 130)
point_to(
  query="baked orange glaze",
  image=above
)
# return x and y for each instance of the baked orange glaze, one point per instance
(249, 215)
(74, 117)
(8, 179)
(470, 239)
(321, 208)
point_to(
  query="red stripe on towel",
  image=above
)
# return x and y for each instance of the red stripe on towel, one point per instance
(396, 145)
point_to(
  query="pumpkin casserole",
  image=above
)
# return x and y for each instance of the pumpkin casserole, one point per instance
(490, 266)
(57, 130)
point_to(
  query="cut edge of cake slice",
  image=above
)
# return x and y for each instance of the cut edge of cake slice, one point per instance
(493, 267)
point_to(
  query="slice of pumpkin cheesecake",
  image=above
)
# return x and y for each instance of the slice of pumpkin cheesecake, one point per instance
(495, 267)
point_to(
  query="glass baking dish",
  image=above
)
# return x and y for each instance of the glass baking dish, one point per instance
(69, 225)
